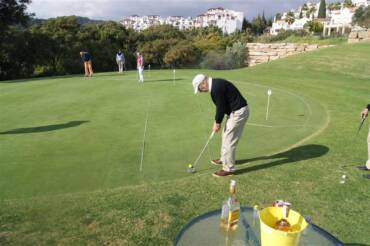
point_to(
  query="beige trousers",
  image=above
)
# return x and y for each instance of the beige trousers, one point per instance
(231, 134)
(368, 151)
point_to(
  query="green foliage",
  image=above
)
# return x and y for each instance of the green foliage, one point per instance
(259, 24)
(233, 57)
(15, 57)
(314, 26)
(335, 6)
(246, 25)
(305, 7)
(13, 12)
(183, 53)
(310, 12)
(238, 53)
(290, 17)
(362, 17)
(348, 4)
(278, 16)
(281, 36)
(211, 41)
(154, 51)
(162, 32)
(322, 10)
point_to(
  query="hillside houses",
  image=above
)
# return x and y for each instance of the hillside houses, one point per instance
(338, 17)
(228, 21)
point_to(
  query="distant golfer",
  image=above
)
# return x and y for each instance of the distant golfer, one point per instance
(120, 59)
(140, 66)
(86, 58)
(229, 101)
(364, 114)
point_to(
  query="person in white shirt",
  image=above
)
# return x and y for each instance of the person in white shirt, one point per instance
(140, 66)
(120, 59)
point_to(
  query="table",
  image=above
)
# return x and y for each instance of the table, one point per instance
(205, 230)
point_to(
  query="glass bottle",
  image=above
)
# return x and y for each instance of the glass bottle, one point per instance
(283, 224)
(230, 209)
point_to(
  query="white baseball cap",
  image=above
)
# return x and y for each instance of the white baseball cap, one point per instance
(197, 80)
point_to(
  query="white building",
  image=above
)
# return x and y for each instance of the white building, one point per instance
(336, 20)
(364, 3)
(228, 21)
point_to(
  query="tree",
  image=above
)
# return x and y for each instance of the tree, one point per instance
(322, 10)
(311, 12)
(305, 7)
(290, 17)
(155, 51)
(246, 25)
(162, 32)
(301, 15)
(314, 26)
(278, 16)
(183, 53)
(13, 12)
(334, 6)
(258, 25)
(348, 4)
(264, 21)
(362, 17)
(13, 62)
(212, 41)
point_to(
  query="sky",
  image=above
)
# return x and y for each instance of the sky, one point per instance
(117, 9)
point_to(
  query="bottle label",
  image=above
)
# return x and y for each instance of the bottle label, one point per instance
(233, 216)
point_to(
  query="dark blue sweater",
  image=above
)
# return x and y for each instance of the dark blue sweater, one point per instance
(226, 97)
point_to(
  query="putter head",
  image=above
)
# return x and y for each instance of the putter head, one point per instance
(191, 170)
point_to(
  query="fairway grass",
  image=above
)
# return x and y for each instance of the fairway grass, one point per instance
(70, 151)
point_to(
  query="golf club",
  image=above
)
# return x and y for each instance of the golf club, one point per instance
(191, 168)
(361, 124)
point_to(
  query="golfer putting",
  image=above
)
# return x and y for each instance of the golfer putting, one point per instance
(229, 101)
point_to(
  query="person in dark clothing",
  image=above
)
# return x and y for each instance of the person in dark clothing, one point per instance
(86, 58)
(228, 101)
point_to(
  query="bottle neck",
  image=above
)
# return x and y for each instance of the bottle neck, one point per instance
(232, 190)
(285, 211)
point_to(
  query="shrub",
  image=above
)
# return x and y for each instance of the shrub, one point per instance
(233, 57)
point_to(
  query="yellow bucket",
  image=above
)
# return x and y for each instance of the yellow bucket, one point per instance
(271, 237)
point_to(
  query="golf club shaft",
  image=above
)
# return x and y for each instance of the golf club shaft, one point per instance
(361, 124)
(205, 146)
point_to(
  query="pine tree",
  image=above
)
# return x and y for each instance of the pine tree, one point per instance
(246, 24)
(322, 10)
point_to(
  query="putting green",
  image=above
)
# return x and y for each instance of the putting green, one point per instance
(75, 134)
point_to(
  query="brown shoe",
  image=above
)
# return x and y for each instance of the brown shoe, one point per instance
(222, 173)
(217, 162)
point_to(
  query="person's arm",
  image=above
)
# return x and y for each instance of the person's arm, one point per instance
(220, 111)
(365, 112)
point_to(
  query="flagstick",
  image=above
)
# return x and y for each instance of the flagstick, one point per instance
(174, 76)
(269, 92)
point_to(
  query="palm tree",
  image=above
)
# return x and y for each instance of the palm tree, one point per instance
(290, 17)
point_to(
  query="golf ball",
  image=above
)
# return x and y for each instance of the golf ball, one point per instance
(344, 176)
(190, 165)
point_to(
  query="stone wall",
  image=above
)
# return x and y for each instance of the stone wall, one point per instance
(258, 53)
(358, 36)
